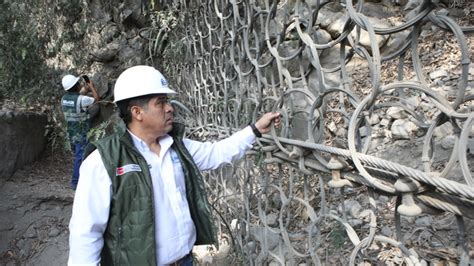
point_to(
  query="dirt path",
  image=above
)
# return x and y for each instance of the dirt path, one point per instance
(35, 208)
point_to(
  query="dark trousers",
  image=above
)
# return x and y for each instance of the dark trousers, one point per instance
(78, 149)
(184, 261)
(187, 261)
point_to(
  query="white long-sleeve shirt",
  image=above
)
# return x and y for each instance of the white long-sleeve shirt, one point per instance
(84, 102)
(174, 228)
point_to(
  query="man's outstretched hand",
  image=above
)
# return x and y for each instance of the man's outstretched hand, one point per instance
(263, 124)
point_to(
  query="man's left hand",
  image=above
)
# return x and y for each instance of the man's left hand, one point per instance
(263, 124)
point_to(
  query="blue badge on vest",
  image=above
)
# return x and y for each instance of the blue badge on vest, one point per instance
(128, 168)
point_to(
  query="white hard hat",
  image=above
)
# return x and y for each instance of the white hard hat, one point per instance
(139, 81)
(69, 81)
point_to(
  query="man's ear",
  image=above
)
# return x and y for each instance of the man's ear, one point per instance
(136, 112)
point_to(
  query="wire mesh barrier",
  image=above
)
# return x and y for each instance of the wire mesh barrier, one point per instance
(377, 128)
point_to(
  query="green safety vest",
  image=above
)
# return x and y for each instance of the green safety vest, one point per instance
(129, 238)
(77, 120)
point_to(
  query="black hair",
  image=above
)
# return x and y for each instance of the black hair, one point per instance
(126, 105)
(76, 87)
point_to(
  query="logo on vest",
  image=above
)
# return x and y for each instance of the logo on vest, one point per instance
(128, 168)
(68, 103)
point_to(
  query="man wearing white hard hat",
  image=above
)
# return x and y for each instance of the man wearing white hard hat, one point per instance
(75, 108)
(141, 198)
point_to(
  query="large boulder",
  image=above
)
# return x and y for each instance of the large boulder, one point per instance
(23, 140)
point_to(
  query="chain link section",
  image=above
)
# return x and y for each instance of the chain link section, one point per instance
(331, 71)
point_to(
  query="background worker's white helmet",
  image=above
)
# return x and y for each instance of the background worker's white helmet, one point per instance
(69, 81)
(139, 81)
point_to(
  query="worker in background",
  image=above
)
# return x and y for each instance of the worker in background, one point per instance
(76, 107)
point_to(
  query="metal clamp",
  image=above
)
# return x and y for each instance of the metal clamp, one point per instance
(335, 165)
(407, 187)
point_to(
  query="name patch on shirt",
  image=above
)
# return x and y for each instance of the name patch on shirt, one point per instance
(128, 168)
